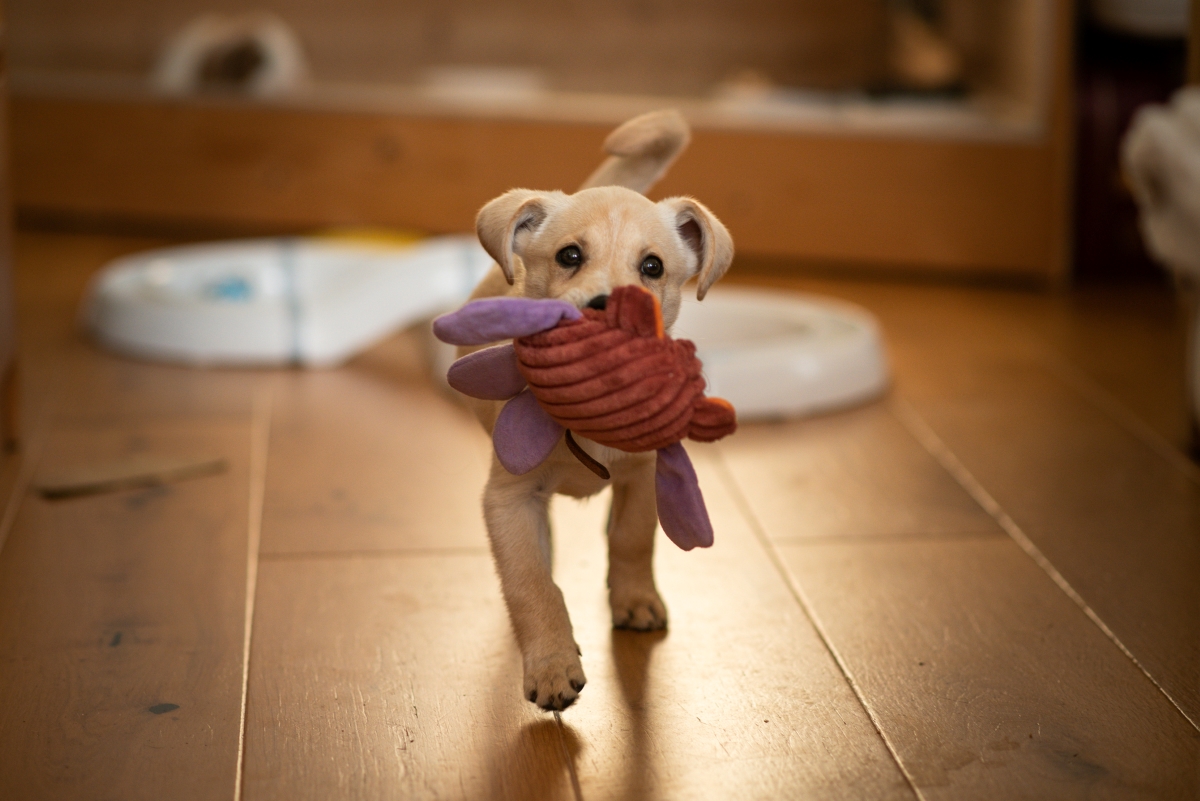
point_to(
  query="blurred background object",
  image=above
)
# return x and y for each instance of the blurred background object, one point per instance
(252, 53)
(1161, 159)
(1160, 18)
(1120, 67)
(926, 137)
(921, 57)
(311, 301)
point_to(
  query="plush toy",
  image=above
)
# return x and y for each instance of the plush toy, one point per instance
(610, 375)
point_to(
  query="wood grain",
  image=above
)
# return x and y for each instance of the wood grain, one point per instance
(988, 681)
(739, 699)
(1066, 410)
(853, 474)
(382, 663)
(1129, 341)
(121, 626)
(122, 614)
(374, 457)
(1114, 517)
(392, 678)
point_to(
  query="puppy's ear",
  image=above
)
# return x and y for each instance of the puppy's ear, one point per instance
(705, 236)
(506, 223)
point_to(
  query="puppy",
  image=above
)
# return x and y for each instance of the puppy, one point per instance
(578, 248)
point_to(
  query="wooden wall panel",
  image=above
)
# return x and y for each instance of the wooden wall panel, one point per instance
(959, 206)
(924, 201)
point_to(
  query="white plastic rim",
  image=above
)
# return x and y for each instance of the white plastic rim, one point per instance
(781, 354)
(314, 302)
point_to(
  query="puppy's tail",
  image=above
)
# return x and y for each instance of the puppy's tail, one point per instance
(641, 151)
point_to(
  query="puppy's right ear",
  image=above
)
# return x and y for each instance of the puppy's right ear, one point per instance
(507, 222)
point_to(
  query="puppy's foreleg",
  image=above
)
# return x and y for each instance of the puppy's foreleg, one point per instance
(632, 522)
(517, 515)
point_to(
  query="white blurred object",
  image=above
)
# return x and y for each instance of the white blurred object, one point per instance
(317, 302)
(255, 53)
(1165, 18)
(487, 85)
(780, 354)
(1161, 157)
(314, 302)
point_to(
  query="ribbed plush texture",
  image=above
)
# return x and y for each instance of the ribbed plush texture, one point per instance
(614, 377)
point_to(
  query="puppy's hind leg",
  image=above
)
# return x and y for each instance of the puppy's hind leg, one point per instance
(517, 516)
(632, 522)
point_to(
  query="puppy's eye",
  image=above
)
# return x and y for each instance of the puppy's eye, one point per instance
(652, 267)
(570, 257)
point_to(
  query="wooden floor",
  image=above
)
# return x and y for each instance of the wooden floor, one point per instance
(984, 586)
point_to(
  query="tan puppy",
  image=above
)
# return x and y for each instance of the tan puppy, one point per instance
(579, 248)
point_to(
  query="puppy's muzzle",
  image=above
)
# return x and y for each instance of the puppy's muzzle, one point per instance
(598, 303)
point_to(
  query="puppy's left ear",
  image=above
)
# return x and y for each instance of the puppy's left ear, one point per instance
(705, 236)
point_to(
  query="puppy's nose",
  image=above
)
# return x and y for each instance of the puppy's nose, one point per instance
(598, 303)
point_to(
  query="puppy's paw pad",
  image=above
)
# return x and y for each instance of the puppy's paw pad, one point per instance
(554, 682)
(641, 611)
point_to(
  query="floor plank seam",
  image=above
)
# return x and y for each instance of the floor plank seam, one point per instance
(806, 607)
(260, 435)
(1098, 396)
(862, 539)
(20, 488)
(30, 456)
(566, 753)
(929, 440)
(382, 553)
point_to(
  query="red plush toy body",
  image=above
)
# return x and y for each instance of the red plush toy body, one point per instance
(612, 376)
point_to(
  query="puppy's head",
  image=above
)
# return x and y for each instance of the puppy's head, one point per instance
(580, 247)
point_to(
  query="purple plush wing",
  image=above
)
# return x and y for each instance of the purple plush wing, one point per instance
(524, 434)
(489, 374)
(681, 507)
(494, 319)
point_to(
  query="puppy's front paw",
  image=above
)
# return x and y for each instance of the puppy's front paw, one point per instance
(639, 610)
(554, 682)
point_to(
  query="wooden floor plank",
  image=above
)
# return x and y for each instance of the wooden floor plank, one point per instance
(121, 625)
(360, 455)
(1066, 409)
(375, 677)
(383, 665)
(382, 661)
(122, 614)
(1130, 340)
(739, 699)
(858, 473)
(1111, 514)
(988, 681)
